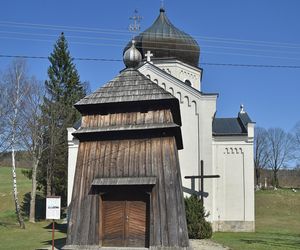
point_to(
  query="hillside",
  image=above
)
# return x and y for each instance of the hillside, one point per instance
(22, 159)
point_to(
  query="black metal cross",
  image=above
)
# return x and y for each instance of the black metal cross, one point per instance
(201, 177)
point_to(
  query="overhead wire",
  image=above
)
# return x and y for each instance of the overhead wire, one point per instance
(126, 32)
(166, 49)
(123, 40)
(113, 31)
(119, 60)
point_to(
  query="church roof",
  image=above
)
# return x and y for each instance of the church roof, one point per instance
(130, 85)
(130, 89)
(164, 40)
(231, 126)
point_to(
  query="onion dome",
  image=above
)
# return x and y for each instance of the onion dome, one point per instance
(132, 57)
(164, 40)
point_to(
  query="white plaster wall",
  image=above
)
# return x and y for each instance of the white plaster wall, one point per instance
(234, 190)
(197, 113)
(182, 71)
(72, 158)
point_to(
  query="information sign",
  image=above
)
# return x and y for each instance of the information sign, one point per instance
(53, 208)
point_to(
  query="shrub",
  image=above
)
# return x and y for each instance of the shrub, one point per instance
(198, 227)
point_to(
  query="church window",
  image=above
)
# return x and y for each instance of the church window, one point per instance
(187, 82)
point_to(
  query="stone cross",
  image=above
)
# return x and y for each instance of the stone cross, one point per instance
(148, 55)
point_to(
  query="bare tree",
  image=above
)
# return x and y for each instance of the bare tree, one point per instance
(261, 154)
(297, 133)
(32, 134)
(4, 110)
(281, 150)
(16, 83)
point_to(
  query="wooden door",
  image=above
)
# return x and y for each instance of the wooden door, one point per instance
(125, 219)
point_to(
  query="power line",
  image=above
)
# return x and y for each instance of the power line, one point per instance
(203, 63)
(123, 40)
(166, 49)
(126, 32)
(252, 65)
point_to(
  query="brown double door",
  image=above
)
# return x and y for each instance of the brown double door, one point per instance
(125, 219)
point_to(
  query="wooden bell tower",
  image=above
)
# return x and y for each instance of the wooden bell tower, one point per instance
(127, 188)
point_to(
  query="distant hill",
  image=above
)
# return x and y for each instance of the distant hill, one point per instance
(288, 178)
(22, 159)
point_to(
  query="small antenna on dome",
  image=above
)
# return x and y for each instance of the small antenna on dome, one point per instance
(162, 5)
(135, 26)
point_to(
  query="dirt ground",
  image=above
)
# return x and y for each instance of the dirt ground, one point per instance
(206, 245)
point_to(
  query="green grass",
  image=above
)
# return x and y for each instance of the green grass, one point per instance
(6, 196)
(36, 234)
(277, 223)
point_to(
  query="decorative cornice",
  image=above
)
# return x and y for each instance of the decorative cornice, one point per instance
(190, 90)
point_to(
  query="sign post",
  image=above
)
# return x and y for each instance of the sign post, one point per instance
(53, 212)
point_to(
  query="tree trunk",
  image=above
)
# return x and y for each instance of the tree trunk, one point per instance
(275, 179)
(13, 143)
(33, 191)
(15, 191)
(257, 174)
(49, 178)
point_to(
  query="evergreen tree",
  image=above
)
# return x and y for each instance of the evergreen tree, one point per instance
(63, 90)
(198, 227)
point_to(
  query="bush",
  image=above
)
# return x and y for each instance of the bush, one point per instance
(198, 227)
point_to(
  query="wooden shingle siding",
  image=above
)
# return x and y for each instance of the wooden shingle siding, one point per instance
(129, 118)
(127, 189)
(124, 181)
(129, 85)
(167, 220)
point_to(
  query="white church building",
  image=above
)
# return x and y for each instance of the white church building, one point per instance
(225, 145)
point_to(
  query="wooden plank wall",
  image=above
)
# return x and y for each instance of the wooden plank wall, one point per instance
(130, 158)
(130, 118)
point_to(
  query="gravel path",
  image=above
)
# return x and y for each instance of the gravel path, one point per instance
(194, 244)
(206, 245)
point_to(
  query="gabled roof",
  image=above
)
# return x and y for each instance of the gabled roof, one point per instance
(231, 126)
(128, 92)
(130, 85)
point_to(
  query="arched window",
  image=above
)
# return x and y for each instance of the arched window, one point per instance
(187, 82)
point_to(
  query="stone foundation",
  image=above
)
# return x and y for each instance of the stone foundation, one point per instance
(93, 247)
(233, 226)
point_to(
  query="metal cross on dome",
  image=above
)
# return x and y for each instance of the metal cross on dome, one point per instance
(135, 26)
(148, 55)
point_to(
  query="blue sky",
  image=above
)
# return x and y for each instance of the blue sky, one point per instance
(259, 32)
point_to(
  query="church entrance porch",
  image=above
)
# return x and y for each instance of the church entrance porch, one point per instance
(124, 218)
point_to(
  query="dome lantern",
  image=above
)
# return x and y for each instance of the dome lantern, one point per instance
(132, 57)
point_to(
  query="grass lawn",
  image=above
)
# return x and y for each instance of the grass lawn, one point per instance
(277, 223)
(36, 234)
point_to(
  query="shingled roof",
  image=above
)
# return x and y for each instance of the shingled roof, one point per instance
(130, 90)
(231, 126)
(130, 85)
